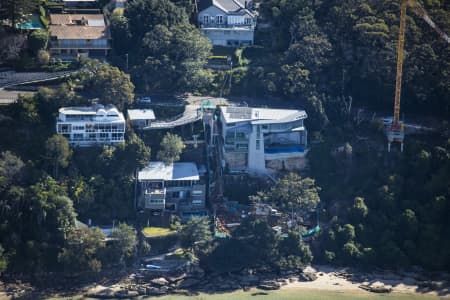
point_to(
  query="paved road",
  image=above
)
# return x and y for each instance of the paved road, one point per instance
(11, 78)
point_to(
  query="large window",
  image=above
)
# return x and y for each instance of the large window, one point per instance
(219, 19)
(205, 19)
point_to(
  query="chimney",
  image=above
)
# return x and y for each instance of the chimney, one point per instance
(245, 4)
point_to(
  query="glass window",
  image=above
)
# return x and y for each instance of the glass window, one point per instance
(205, 19)
(219, 19)
(258, 144)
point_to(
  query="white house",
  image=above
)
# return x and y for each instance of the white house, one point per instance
(90, 126)
(141, 118)
(227, 22)
(172, 187)
(262, 140)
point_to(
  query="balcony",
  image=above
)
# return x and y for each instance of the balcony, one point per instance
(155, 198)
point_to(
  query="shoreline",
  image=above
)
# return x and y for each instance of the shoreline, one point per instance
(326, 278)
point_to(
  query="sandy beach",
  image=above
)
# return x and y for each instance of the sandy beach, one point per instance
(332, 279)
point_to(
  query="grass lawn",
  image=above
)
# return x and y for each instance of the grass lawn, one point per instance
(156, 231)
(299, 295)
(286, 294)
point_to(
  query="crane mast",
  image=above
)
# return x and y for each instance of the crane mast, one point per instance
(395, 132)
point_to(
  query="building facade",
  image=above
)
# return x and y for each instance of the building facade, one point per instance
(91, 126)
(171, 187)
(262, 140)
(78, 35)
(227, 22)
(141, 118)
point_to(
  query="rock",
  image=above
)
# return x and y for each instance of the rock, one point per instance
(376, 288)
(189, 282)
(126, 294)
(177, 278)
(309, 276)
(152, 291)
(197, 271)
(160, 281)
(249, 279)
(269, 285)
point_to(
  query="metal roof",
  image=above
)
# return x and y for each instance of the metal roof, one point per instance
(141, 114)
(233, 114)
(157, 170)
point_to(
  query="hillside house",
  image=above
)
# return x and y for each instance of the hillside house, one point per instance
(78, 35)
(263, 140)
(227, 22)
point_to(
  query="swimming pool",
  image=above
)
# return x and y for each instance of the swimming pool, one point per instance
(289, 149)
(32, 23)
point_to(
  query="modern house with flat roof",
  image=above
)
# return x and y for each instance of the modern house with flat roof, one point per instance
(78, 35)
(91, 125)
(171, 187)
(141, 118)
(227, 22)
(263, 140)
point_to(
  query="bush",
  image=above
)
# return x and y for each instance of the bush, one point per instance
(37, 40)
(43, 57)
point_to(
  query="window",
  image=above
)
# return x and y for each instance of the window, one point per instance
(175, 194)
(219, 19)
(248, 21)
(258, 144)
(205, 19)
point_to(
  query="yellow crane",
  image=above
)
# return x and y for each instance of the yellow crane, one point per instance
(395, 132)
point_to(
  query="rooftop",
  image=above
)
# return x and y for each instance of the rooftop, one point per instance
(228, 6)
(157, 170)
(89, 110)
(77, 26)
(141, 114)
(233, 114)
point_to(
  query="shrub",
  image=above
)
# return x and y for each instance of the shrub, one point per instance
(43, 57)
(37, 40)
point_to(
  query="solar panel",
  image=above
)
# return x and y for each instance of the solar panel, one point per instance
(239, 112)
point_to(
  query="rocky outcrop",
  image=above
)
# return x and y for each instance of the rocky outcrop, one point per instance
(376, 287)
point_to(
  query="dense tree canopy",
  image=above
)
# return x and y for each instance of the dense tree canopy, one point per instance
(168, 53)
(171, 148)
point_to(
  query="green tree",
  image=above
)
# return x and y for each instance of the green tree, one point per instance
(294, 253)
(171, 148)
(82, 250)
(108, 83)
(144, 15)
(52, 210)
(38, 40)
(11, 168)
(294, 191)
(359, 209)
(3, 260)
(123, 246)
(58, 152)
(174, 59)
(15, 11)
(196, 234)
